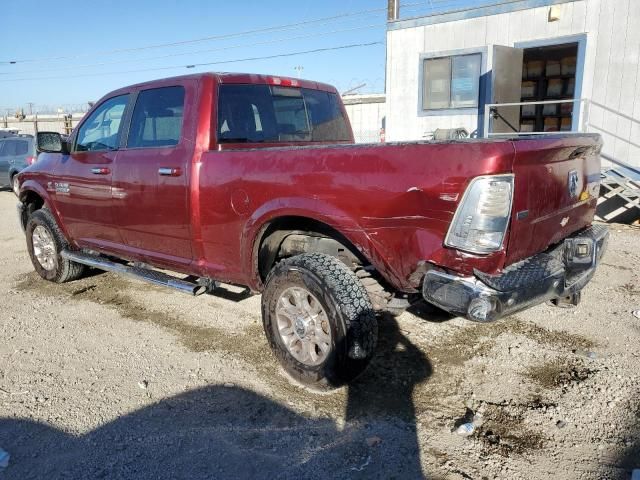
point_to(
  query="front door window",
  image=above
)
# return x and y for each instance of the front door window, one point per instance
(101, 131)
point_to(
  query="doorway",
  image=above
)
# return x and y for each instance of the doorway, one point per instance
(550, 72)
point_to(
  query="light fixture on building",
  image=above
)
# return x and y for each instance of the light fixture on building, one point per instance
(554, 13)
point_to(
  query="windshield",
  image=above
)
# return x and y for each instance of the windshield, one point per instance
(272, 114)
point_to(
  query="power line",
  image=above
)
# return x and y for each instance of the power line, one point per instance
(201, 39)
(229, 47)
(197, 65)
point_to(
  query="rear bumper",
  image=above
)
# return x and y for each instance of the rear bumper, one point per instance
(560, 272)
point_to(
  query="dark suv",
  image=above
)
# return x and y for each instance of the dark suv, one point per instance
(16, 152)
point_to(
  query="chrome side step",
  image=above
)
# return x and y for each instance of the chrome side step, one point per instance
(145, 274)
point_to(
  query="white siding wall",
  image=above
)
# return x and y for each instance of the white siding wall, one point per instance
(611, 70)
(366, 120)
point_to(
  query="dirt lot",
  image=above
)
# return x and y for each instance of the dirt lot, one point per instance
(111, 378)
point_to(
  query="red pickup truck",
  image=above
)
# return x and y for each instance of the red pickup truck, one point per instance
(255, 180)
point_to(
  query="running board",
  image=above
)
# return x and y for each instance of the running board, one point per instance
(145, 274)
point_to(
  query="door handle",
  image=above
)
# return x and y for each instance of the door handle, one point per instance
(169, 172)
(100, 171)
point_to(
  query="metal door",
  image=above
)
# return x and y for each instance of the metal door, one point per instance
(506, 87)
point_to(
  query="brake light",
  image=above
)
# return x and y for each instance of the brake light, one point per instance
(284, 82)
(31, 160)
(481, 220)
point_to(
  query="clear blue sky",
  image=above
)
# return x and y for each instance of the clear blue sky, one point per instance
(83, 28)
(85, 31)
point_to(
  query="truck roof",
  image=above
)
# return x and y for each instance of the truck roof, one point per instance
(251, 78)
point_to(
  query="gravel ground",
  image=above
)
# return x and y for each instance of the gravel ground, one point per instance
(110, 378)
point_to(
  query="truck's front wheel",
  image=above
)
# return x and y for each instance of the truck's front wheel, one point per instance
(319, 320)
(45, 242)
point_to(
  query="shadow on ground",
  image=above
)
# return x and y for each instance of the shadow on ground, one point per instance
(629, 460)
(219, 432)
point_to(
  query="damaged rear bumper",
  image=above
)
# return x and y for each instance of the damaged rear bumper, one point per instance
(558, 273)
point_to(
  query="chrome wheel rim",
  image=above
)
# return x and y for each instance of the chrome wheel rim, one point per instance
(303, 326)
(15, 185)
(44, 248)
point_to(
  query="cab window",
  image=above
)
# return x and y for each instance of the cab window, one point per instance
(274, 114)
(101, 131)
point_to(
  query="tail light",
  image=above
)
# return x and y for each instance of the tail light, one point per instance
(31, 160)
(481, 220)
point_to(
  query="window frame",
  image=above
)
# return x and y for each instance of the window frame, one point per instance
(482, 85)
(124, 140)
(122, 129)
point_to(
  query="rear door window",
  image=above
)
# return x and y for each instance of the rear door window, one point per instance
(273, 114)
(157, 118)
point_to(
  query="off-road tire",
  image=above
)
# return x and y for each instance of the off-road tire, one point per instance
(64, 270)
(378, 295)
(354, 329)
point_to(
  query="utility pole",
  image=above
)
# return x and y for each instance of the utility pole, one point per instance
(393, 10)
(299, 69)
(31, 104)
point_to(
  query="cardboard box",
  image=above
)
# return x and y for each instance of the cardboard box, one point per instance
(527, 126)
(569, 65)
(528, 110)
(565, 125)
(554, 87)
(535, 68)
(553, 68)
(528, 89)
(550, 124)
(566, 108)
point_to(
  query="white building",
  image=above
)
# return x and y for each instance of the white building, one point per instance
(367, 114)
(441, 70)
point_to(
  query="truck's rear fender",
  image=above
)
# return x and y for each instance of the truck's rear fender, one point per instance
(394, 202)
(319, 213)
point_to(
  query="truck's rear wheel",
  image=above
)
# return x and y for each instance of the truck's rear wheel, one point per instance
(45, 242)
(319, 320)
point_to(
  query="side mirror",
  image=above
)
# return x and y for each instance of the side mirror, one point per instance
(51, 142)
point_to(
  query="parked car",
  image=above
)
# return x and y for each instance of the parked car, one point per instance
(255, 180)
(17, 152)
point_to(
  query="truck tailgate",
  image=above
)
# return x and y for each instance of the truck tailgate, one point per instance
(556, 191)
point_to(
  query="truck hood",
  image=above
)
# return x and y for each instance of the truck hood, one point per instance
(555, 193)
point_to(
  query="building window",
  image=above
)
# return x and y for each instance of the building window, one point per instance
(451, 82)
